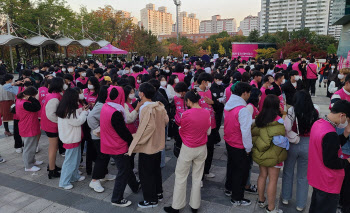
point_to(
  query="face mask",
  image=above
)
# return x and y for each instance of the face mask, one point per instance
(91, 86)
(340, 76)
(65, 86)
(36, 71)
(283, 81)
(178, 95)
(219, 82)
(333, 67)
(139, 81)
(54, 74)
(342, 125)
(167, 71)
(297, 78)
(126, 71)
(209, 85)
(163, 83)
(83, 74)
(131, 96)
(63, 69)
(27, 84)
(86, 62)
(70, 69)
(185, 70)
(0, 62)
(270, 87)
(81, 96)
(176, 80)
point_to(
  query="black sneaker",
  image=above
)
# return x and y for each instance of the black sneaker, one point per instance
(170, 209)
(144, 204)
(319, 85)
(160, 196)
(228, 193)
(194, 210)
(122, 203)
(251, 190)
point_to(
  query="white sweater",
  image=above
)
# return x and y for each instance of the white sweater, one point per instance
(69, 129)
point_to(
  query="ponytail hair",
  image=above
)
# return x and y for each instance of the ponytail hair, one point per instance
(193, 96)
(30, 91)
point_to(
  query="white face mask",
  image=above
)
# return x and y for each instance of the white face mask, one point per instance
(36, 71)
(131, 96)
(332, 67)
(185, 70)
(178, 95)
(64, 69)
(163, 83)
(81, 96)
(209, 85)
(86, 62)
(283, 81)
(127, 71)
(83, 74)
(0, 62)
(342, 125)
(219, 82)
(139, 81)
(340, 76)
(54, 74)
(176, 80)
(167, 71)
(297, 77)
(65, 86)
(70, 70)
(90, 86)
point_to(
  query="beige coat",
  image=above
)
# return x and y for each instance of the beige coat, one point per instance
(150, 135)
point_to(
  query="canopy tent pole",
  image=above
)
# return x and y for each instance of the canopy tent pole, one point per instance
(41, 48)
(10, 47)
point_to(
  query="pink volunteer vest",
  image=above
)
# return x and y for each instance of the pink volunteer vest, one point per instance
(263, 96)
(111, 143)
(232, 130)
(241, 70)
(20, 89)
(28, 124)
(89, 97)
(133, 126)
(296, 67)
(255, 111)
(181, 76)
(228, 92)
(342, 94)
(208, 107)
(180, 109)
(43, 91)
(318, 175)
(46, 124)
(83, 81)
(254, 83)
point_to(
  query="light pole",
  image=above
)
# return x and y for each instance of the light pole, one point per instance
(177, 4)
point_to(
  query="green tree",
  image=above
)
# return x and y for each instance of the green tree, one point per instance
(221, 50)
(253, 36)
(331, 49)
(265, 53)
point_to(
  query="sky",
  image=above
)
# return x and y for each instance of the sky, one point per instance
(204, 9)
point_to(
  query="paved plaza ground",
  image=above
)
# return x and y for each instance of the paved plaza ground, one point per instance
(30, 192)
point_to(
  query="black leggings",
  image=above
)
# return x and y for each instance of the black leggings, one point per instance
(6, 126)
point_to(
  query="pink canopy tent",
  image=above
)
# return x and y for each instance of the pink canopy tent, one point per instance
(109, 49)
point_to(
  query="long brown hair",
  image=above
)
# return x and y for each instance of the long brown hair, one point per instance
(270, 110)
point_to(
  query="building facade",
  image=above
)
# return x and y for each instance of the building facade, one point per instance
(126, 14)
(195, 37)
(188, 23)
(159, 22)
(217, 25)
(249, 24)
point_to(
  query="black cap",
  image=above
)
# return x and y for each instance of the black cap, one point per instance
(341, 106)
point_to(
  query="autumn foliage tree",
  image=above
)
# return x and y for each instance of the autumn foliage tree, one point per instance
(300, 47)
(175, 49)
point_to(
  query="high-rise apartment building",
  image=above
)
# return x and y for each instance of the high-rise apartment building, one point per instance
(294, 15)
(159, 22)
(126, 14)
(188, 24)
(217, 25)
(336, 11)
(249, 24)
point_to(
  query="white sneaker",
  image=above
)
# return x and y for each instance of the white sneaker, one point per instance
(168, 138)
(274, 211)
(18, 150)
(299, 209)
(68, 187)
(285, 202)
(33, 169)
(96, 186)
(2, 160)
(109, 177)
(210, 175)
(81, 178)
(38, 162)
(37, 149)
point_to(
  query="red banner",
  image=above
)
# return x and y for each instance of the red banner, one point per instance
(245, 50)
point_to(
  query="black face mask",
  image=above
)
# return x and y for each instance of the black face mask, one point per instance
(27, 83)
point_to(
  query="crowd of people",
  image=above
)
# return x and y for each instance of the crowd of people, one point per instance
(110, 112)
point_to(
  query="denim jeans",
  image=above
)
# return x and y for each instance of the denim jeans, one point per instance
(297, 154)
(346, 148)
(322, 77)
(69, 172)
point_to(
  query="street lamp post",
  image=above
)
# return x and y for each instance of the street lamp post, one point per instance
(177, 4)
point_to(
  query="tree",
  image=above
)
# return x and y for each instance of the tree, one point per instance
(221, 50)
(175, 50)
(300, 47)
(265, 53)
(331, 49)
(253, 36)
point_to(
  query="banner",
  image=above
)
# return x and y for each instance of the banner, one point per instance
(348, 60)
(245, 50)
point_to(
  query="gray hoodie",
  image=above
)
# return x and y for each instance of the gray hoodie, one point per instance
(244, 118)
(93, 119)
